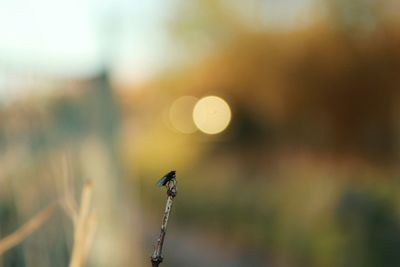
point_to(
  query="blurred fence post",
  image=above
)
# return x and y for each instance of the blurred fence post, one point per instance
(117, 241)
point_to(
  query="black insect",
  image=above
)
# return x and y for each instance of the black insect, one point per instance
(166, 178)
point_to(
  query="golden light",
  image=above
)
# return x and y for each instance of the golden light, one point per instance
(211, 114)
(180, 114)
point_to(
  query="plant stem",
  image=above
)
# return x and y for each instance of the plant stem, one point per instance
(157, 258)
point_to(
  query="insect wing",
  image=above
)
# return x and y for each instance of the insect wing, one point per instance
(162, 181)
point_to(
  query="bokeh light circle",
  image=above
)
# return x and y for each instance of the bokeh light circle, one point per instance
(211, 114)
(180, 114)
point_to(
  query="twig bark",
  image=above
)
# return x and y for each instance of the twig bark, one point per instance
(157, 257)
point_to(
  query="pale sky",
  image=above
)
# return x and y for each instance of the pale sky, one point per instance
(68, 37)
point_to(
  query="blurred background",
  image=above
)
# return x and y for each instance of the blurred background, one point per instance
(282, 119)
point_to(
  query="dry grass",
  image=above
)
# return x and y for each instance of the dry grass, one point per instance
(84, 220)
(85, 227)
(26, 229)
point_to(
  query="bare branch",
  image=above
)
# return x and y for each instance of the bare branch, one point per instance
(26, 229)
(157, 258)
(84, 228)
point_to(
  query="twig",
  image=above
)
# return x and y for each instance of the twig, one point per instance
(26, 229)
(85, 227)
(157, 258)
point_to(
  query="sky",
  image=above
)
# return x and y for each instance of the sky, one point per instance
(70, 36)
(77, 37)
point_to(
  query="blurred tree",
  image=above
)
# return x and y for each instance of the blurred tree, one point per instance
(357, 16)
(319, 87)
